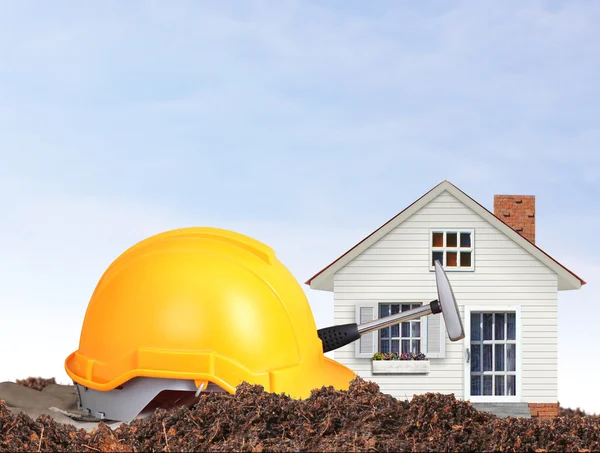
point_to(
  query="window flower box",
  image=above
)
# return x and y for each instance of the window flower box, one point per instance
(407, 363)
(400, 366)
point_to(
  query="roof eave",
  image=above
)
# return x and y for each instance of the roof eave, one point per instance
(328, 271)
(323, 280)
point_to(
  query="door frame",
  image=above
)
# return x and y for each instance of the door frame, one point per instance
(467, 365)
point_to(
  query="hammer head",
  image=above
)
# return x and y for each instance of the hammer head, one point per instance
(454, 325)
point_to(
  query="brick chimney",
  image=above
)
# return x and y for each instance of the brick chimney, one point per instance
(518, 211)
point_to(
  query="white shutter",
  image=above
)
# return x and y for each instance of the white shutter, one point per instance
(366, 345)
(436, 337)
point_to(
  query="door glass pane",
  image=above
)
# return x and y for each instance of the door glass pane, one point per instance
(396, 346)
(476, 385)
(493, 354)
(487, 357)
(406, 329)
(384, 346)
(499, 325)
(499, 357)
(451, 240)
(476, 357)
(416, 329)
(405, 346)
(475, 326)
(416, 346)
(511, 326)
(499, 385)
(511, 385)
(487, 384)
(511, 357)
(487, 326)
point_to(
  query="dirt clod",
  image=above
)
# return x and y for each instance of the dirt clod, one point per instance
(360, 419)
(36, 383)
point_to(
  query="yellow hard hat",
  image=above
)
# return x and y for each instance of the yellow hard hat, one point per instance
(204, 305)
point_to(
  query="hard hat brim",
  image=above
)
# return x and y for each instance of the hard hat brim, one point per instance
(296, 382)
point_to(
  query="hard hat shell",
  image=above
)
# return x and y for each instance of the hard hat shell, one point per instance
(202, 304)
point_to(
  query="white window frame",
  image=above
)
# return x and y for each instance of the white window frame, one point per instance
(444, 249)
(467, 344)
(423, 321)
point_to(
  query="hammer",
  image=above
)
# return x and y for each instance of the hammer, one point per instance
(335, 337)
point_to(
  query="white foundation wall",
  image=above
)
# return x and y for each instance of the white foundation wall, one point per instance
(396, 270)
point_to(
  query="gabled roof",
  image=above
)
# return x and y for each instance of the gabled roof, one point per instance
(323, 280)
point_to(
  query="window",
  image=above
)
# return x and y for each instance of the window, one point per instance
(402, 337)
(453, 248)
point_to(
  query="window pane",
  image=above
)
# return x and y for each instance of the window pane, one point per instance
(405, 307)
(465, 259)
(438, 239)
(406, 329)
(437, 256)
(499, 357)
(511, 326)
(487, 358)
(395, 308)
(395, 330)
(487, 385)
(451, 239)
(475, 357)
(413, 306)
(451, 259)
(476, 326)
(475, 385)
(487, 326)
(511, 357)
(416, 346)
(405, 346)
(384, 346)
(511, 385)
(465, 239)
(499, 322)
(396, 346)
(416, 329)
(384, 310)
(499, 385)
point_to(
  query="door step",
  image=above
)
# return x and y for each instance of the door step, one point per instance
(504, 410)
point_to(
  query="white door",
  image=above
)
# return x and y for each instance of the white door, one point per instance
(492, 354)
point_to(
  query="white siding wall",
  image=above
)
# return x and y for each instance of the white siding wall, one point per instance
(396, 269)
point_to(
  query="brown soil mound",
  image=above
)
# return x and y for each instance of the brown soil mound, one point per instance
(360, 419)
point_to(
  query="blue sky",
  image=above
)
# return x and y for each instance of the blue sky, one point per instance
(304, 124)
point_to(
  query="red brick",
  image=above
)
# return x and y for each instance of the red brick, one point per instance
(543, 410)
(518, 212)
